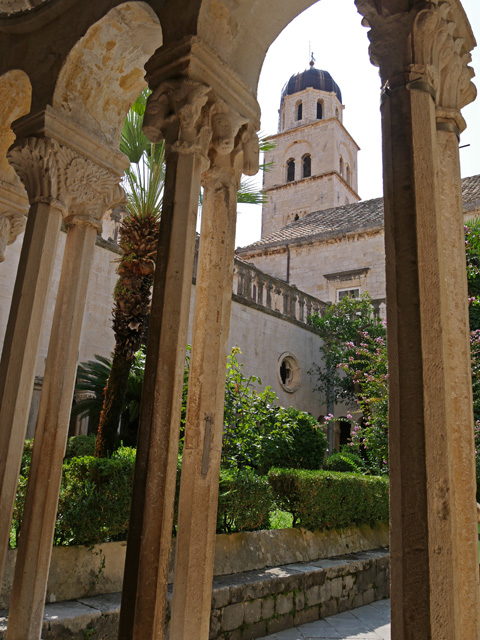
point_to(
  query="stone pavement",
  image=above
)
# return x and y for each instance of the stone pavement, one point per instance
(371, 622)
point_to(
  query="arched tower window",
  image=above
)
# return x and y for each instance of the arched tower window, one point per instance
(299, 111)
(337, 113)
(290, 170)
(342, 167)
(319, 110)
(349, 175)
(307, 166)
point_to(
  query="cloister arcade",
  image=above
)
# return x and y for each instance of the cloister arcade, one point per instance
(70, 70)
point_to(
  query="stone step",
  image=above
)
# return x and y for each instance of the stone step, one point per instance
(244, 605)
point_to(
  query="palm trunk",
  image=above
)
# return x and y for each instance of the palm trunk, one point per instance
(114, 397)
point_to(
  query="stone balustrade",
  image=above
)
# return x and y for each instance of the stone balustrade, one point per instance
(250, 283)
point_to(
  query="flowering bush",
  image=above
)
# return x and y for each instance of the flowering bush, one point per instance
(368, 369)
(340, 328)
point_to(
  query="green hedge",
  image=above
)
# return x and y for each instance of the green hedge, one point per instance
(95, 495)
(94, 501)
(329, 500)
(244, 502)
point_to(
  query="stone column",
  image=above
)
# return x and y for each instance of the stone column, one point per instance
(231, 154)
(87, 191)
(178, 111)
(434, 565)
(454, 91)
(34, 161)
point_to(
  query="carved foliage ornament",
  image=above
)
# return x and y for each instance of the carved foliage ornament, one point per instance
(58, 175)
(419, 41)
(439, 56)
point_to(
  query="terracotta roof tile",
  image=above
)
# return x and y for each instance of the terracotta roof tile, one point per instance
(357, 217)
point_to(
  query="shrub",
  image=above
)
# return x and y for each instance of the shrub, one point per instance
(296, 441)
(244, 501)
(330, 500)
(95, 497)
(78, 446)
(341, 462)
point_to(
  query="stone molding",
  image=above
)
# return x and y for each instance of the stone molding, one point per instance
(56, 174)
(424, 47)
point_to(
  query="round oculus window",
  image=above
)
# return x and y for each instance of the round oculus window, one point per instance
(289, 372)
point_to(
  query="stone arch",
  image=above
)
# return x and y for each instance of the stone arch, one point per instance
(104, 72)
(15, 100)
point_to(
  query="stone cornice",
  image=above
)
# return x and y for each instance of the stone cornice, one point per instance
(283, 134)
(280, 246)
(295, 183)
(346, 275)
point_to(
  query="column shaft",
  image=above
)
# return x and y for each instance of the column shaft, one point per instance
(421, 420)
(195, 545)
(150, 532)
(20, 351)
(459, 385)
(38, 523)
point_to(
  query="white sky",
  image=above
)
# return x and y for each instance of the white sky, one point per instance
(332, 29)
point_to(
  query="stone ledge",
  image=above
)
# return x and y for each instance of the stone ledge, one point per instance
(77, 572)
(247, 605)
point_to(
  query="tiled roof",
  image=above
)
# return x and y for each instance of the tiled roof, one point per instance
(358, 217)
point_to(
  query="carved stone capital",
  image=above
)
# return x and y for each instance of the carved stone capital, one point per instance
(177, 111)
(233, 148)
(12, 224)
(423, 46)
(86, 189)
(54, 173)
(34, 161)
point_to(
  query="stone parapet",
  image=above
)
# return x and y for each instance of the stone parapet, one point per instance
(252, 284)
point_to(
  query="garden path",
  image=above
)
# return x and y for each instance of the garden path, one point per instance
(371, 622)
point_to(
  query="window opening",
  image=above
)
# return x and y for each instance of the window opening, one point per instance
(290, 170)
(348, 293)
(319, 110)
(299, 111)
(307, 166)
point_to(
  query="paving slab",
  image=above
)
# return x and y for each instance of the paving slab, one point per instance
(371, 622)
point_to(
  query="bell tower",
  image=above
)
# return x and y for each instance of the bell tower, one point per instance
(314, 162)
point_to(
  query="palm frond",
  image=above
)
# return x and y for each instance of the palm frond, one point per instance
(249, 192)
(133, 142)
(144, 183)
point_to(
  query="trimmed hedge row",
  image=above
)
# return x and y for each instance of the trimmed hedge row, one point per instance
(330, 500)
(95, 496)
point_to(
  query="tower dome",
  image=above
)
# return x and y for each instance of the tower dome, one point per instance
(311, 77)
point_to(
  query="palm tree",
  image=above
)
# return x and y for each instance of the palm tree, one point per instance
(138, 239)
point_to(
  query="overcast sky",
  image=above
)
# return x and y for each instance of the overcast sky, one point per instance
(332, 30)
